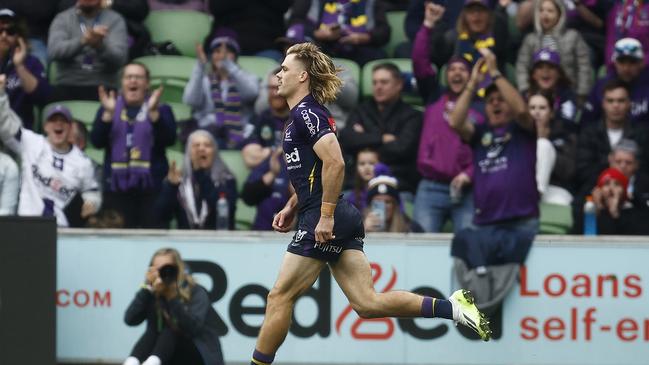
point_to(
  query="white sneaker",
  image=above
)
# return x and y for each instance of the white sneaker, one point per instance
(466, 313)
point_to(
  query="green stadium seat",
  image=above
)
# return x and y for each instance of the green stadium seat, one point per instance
(404, 64)
(234, 160)
(52, 72)
(244, 216)
(396, 20)
(184, 28)
(555, 219)
(172, 72)
(96, 154)
(81, 110)
(259, 66)
(350, 66)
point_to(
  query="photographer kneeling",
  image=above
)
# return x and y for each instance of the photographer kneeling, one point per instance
(181, 323)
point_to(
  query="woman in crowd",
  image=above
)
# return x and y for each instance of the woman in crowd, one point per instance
(220, 93)
(191, 195)
(551, 32)
(366, 160)
(182, 326)
(555, 152)
(384, 211)
(548, 76)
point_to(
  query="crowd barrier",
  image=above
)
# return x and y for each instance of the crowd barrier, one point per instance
(580, 300)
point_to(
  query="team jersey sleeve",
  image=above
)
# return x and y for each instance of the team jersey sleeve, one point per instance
(312, 123)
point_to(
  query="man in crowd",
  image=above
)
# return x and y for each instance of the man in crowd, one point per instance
(88, 45)
(388, 124)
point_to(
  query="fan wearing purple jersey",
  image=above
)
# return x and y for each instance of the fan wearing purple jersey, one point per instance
(329, 229)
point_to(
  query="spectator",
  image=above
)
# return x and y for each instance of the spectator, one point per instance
(347, 99)
(344, 30)
(181, 325)
(190, 195)
(504, 151)
(478, 26)
(444, 161)
(257, 22)
(548, 76)
(628, 66)
(134, 12)
(616, 213)
(9, 184)
(555, 152)
(89, 45)
(53, 170)
(505, 194)
(26, 85)
(134, 130)
(388, 124)
(38, 16)
(366, 161)
(195, 5)
(267, 188)
(222, 94)
(550, 17)
(384, 211)
(627, 19)
(584, 16)
(596, 142)
(269, 124)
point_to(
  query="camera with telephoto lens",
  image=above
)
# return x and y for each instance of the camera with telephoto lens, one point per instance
(168, 274)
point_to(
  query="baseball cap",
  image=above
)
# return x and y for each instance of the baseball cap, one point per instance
(484, 3)
(7, 13)
(295, 34)
(547, 55)
(58, 109)
(628, 47)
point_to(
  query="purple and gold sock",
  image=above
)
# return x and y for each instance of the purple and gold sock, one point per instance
(433, 307)
(259, 358)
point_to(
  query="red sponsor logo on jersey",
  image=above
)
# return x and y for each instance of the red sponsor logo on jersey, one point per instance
(332, 124)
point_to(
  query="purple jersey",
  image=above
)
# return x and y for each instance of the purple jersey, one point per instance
(309, 121)
(504, 171)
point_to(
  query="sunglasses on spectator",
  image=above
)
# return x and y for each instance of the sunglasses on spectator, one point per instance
(8, 30)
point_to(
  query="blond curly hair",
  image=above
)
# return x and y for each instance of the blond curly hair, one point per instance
(324, 82)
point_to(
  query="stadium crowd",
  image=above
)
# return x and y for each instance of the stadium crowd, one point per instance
(477, 113)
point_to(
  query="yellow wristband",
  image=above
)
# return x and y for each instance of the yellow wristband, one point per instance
(327, 209)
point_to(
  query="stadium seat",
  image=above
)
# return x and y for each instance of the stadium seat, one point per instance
(172, 72)
(396, 20)
(184, 28)
(410, 96)
(52, 72)
(96, 154)
(350, 66)
(555, 219)
(244, 216)
(259, 66)
(234, 160)
(81, 110)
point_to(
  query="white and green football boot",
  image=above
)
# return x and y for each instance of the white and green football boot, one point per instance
(466, 313)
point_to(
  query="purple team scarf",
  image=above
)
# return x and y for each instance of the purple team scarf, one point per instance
(131, 144)
(228, 111)
(349, 14)
(467, 48)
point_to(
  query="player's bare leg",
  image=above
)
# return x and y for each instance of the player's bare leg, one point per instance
(354, 276)
(296, 275)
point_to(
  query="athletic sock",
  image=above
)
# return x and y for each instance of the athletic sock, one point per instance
(434, 307)
(259, 358)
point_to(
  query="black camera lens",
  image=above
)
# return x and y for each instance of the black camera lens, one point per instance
(168, 273)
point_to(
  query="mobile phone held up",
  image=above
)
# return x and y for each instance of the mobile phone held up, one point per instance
(378, 209)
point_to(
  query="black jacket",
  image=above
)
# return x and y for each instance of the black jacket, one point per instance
(196, 319)
(399, 119)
